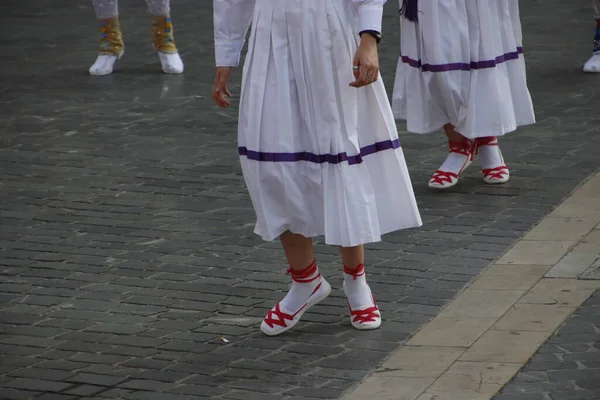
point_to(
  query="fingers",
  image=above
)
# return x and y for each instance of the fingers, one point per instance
(366, 76)
(220, 91)
(220, 97)
(356, 69)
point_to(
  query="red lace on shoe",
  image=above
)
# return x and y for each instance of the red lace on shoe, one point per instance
(484, 141)
(491, 173)
(466, 148)
(356, 272)
(278, 317)
(495, 173)
(367, 315)
(440, 177)
(302, 276)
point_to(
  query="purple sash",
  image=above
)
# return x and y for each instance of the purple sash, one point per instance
(410, 10)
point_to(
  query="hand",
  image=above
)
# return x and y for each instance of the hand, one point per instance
(220, 92)
(367, 61)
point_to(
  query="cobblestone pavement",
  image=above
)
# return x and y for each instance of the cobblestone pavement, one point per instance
(126, 229)
(567, 367)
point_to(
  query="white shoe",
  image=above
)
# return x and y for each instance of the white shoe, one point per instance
(494, 167)
(460, 157)
(275, 323)
(171, 63)
(366, 317)
(104, 64)
(593, 64)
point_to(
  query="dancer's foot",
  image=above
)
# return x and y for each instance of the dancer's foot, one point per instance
(493, 167)
(460, 157)
(593, 64)
(308, 288)
(111, 47)
(364, 313)
(164, 43)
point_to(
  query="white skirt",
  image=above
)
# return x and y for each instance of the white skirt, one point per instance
(462, 63)
(318, 156)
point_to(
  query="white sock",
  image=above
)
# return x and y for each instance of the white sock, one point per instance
(357, 289)
(491, 156)
(304, 283)
(455, 162)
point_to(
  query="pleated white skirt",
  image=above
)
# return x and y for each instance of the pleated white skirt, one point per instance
(463, 64)
(318, 156)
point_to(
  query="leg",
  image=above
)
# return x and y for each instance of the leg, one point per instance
(159, 8)
(593, 64)
(308, 286)
(106, 9)
(111, 39)
(460, 157)
(452, 135)
(162, 36)
(352, 256)
(364, 313)
(493, 167)
(298, 250)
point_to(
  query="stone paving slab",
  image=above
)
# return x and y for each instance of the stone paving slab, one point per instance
(567, 366)
(126, 230)
(479, 341)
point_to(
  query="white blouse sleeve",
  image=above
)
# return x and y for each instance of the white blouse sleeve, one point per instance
(370, 13)
(232, 19)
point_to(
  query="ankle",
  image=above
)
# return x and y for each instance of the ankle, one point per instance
(464, 147)
(486, 141)
(489, 152)
(356, 287)
(305, 275)
(305, 282)
(354, 273)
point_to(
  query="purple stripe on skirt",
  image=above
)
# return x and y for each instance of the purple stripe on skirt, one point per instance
(463, 66)
(320, 158)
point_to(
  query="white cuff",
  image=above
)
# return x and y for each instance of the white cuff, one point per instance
(228, 53)
(369, 18)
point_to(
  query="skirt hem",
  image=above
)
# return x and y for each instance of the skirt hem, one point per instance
(372, 239)
(421, 130)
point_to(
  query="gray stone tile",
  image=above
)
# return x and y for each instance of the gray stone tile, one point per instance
(127, 241)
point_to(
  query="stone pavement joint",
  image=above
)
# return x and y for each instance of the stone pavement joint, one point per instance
(567, 366)
(126, 244)
(483, 337)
